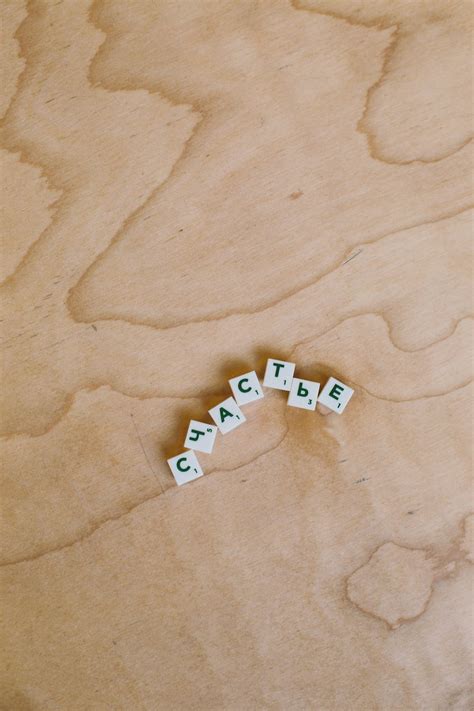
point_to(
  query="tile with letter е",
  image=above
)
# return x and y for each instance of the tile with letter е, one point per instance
(335, 395)
(201, 436)
(185, 467)
(227, 415)
(304, 394)
(246, 388)
(278, 374)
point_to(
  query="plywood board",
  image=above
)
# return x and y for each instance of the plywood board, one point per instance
(190, 188)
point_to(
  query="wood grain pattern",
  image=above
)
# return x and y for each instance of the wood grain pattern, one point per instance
(189, 188)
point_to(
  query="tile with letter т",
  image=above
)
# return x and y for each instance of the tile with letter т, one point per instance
(304, 394)
(227, 415)
(246, 388)
(201, 436)
(278, 374)
(335, 395)
(185, 467)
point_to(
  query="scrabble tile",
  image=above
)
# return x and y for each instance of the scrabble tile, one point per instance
(185, 467)
(304, 394)
(200, 436)
(335, 395)
(227, 415)
(246, 388)
(278, 374)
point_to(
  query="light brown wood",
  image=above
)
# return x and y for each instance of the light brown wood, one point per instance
(189, 188)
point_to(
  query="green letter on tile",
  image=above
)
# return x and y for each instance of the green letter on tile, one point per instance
(336, 391)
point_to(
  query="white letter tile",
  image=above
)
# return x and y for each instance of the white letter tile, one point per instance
(278, 374)
(185, 467)
(246, 388)
(201, 436)
(227, 415)
(335, 395)
(304, 394)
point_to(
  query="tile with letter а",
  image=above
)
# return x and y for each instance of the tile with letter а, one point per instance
(304, 394)
(200, 436)
(278, 374)
(227, 415)
(335, 395)
(246, 388)
(185, 467)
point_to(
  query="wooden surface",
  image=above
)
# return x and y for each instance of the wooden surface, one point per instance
(190, 187)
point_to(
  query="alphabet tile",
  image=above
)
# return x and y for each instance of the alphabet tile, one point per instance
(278, 374)
(246, 388)
(201, 436)
(227, 415)
(304, 394)
(185, 467)
(335, 395)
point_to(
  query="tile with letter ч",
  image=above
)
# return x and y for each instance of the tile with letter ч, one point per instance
(185, 467)
(304, 394)
(278, 374)
(227, 415)
(200, 436)
(335, 395)
(246, 388)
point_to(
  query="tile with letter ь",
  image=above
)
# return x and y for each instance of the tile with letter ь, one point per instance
(335, 395)
(304, 394)
(185, 467)
(278, 374)
(227, 415)
(201, 436)
(246, 388)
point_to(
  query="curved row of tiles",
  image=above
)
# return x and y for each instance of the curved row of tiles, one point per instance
(246, 388)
